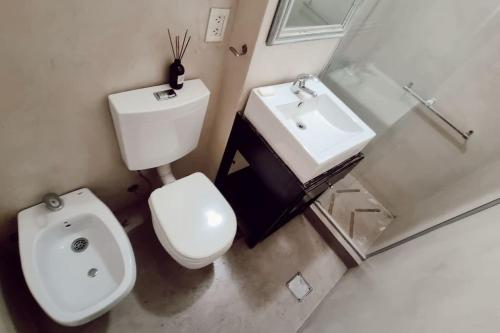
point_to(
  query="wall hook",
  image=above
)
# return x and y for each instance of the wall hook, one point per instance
(237, 53)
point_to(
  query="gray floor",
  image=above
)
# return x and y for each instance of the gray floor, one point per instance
(244, 291)
(445, 281)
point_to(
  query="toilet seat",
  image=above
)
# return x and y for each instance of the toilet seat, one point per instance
(192, 220)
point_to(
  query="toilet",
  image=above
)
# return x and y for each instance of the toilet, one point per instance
(156, 126)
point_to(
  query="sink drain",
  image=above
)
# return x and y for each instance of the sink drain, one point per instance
(79, 244)
(301, 125)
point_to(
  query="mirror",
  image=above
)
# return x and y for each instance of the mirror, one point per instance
(299, 20)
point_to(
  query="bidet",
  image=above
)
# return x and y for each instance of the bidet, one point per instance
(77, 261)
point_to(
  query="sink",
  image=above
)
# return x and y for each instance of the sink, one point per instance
(310, 134)
(78, 261)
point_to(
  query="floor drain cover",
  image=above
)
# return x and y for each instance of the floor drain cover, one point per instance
(299, 287)
(80, 244)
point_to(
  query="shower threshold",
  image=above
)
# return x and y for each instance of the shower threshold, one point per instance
(351, 220)
(358, 215)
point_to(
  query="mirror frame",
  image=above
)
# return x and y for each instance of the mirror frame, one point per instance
(280, 34)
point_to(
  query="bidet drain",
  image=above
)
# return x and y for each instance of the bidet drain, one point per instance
(79, 244)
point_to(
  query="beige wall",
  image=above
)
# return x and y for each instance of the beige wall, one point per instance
(267, 65)
(445, 281)
(59, 61)
(248, 18)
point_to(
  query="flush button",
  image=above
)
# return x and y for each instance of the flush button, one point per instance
(165, 94)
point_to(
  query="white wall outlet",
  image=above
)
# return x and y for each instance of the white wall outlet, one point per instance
(217, 23)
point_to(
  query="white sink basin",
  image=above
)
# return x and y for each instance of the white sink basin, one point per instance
(75, 287)
(310, 134)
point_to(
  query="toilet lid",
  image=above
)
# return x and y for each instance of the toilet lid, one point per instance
(197, 220)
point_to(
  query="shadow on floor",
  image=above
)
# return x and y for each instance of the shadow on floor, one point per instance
(99, 325)
(20, 304)
(163, 286)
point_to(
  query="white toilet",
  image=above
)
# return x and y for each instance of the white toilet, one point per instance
(191, 218)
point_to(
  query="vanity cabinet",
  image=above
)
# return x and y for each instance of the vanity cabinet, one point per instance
(266, 194)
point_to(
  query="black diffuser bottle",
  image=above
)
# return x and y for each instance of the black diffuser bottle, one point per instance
(176, 70)
(176, 74)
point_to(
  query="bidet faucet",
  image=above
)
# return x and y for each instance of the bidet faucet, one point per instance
(300, 84)
(53, 202)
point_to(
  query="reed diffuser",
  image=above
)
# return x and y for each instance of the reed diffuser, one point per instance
(176, 70)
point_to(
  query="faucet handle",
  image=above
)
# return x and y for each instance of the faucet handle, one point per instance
(302, 78)
(305, 76)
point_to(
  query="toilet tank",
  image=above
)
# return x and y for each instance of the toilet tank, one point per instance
(154, 132)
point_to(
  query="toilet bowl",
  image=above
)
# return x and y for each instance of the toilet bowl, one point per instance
(191, 218)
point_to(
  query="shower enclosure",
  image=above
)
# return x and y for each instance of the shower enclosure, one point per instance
(425, 76)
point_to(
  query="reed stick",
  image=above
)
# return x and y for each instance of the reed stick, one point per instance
(177, 47)
(184, 40)
(185, 48)
(171, 44)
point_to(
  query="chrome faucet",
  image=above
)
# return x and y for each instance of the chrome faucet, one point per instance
(300, 84)
(53, 202)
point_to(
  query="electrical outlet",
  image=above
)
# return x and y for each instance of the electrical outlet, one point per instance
(217, 22)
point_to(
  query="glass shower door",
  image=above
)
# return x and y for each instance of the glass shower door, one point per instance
(421, 74)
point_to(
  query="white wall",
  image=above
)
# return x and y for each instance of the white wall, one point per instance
(59, 61)
(445, 281)
(450, 50)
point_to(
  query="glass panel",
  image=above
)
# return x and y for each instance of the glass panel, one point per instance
(418, 172)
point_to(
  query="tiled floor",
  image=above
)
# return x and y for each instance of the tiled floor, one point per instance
(356, 212)
(244, 291)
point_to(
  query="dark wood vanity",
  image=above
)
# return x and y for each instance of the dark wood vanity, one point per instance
(266, 194)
